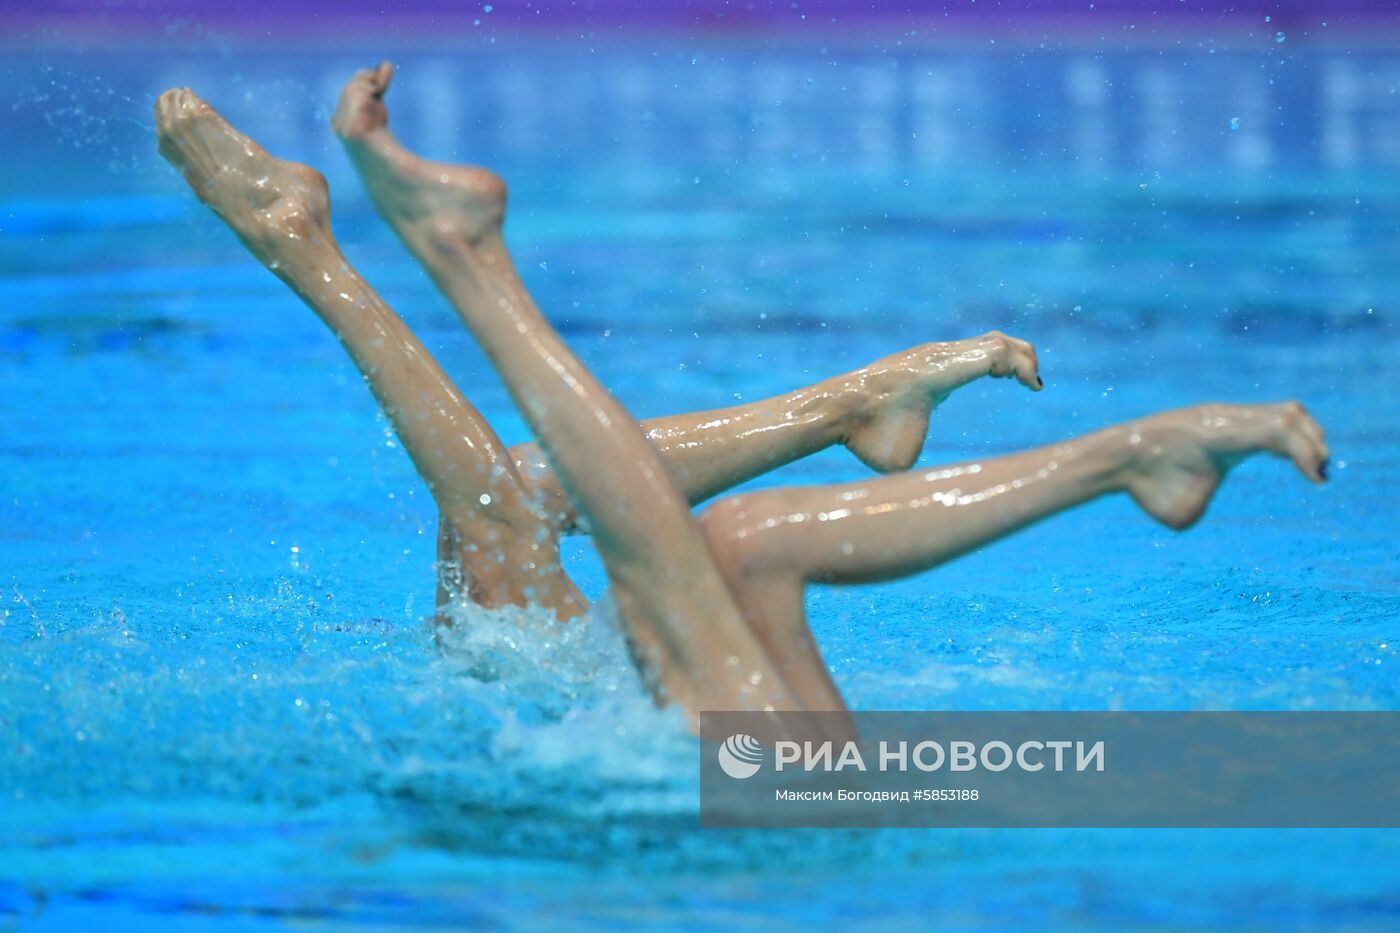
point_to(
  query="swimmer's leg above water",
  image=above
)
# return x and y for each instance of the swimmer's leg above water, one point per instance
(280, 210)
(680, 614)
(667, 585)
(881, 411)
(1171, 463)
(772, 543)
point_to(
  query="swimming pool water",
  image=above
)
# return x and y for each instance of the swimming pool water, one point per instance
(220, 703)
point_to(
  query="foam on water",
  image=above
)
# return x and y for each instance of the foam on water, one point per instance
(573, 704)
(514, 726)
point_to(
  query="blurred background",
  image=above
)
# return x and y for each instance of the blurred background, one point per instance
(220, 703)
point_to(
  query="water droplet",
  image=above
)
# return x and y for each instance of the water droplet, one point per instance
(1279, 37)
(1234, 123)
(484, 498)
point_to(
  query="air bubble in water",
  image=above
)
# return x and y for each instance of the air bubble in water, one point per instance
(1234, 123)
(1279, 37)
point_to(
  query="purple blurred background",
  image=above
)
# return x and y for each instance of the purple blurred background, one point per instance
(1105, 21)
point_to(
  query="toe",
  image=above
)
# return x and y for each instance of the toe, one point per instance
(1027, 375)
(1027, 365)
(1308, 455)
(169, 114)
(189, 104)
(170, 106)
(1304, 441)
(382, 76)
(164, 103)
(1321, 458)
(1034, 356)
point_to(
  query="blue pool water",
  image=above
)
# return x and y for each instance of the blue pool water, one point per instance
(220, 704)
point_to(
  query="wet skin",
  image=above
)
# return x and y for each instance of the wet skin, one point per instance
(714, 608)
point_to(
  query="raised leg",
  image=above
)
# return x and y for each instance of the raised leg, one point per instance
(880, 412)
(684, 624)
(774, 541)
(280, 210)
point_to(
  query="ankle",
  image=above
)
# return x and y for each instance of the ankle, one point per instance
(856, 400)
(1143, 445)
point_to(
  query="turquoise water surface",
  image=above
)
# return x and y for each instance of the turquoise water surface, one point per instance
(220, 701)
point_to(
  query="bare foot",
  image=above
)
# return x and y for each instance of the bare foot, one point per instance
(904, 389)
(269, 203)
(361, 110)
(1183, 455)
(410, 191)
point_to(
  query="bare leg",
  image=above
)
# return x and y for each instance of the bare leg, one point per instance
(773, 542)
(880, 412)
(682, 618)
(280, 211)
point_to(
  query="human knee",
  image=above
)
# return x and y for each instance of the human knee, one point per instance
(729, 529)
